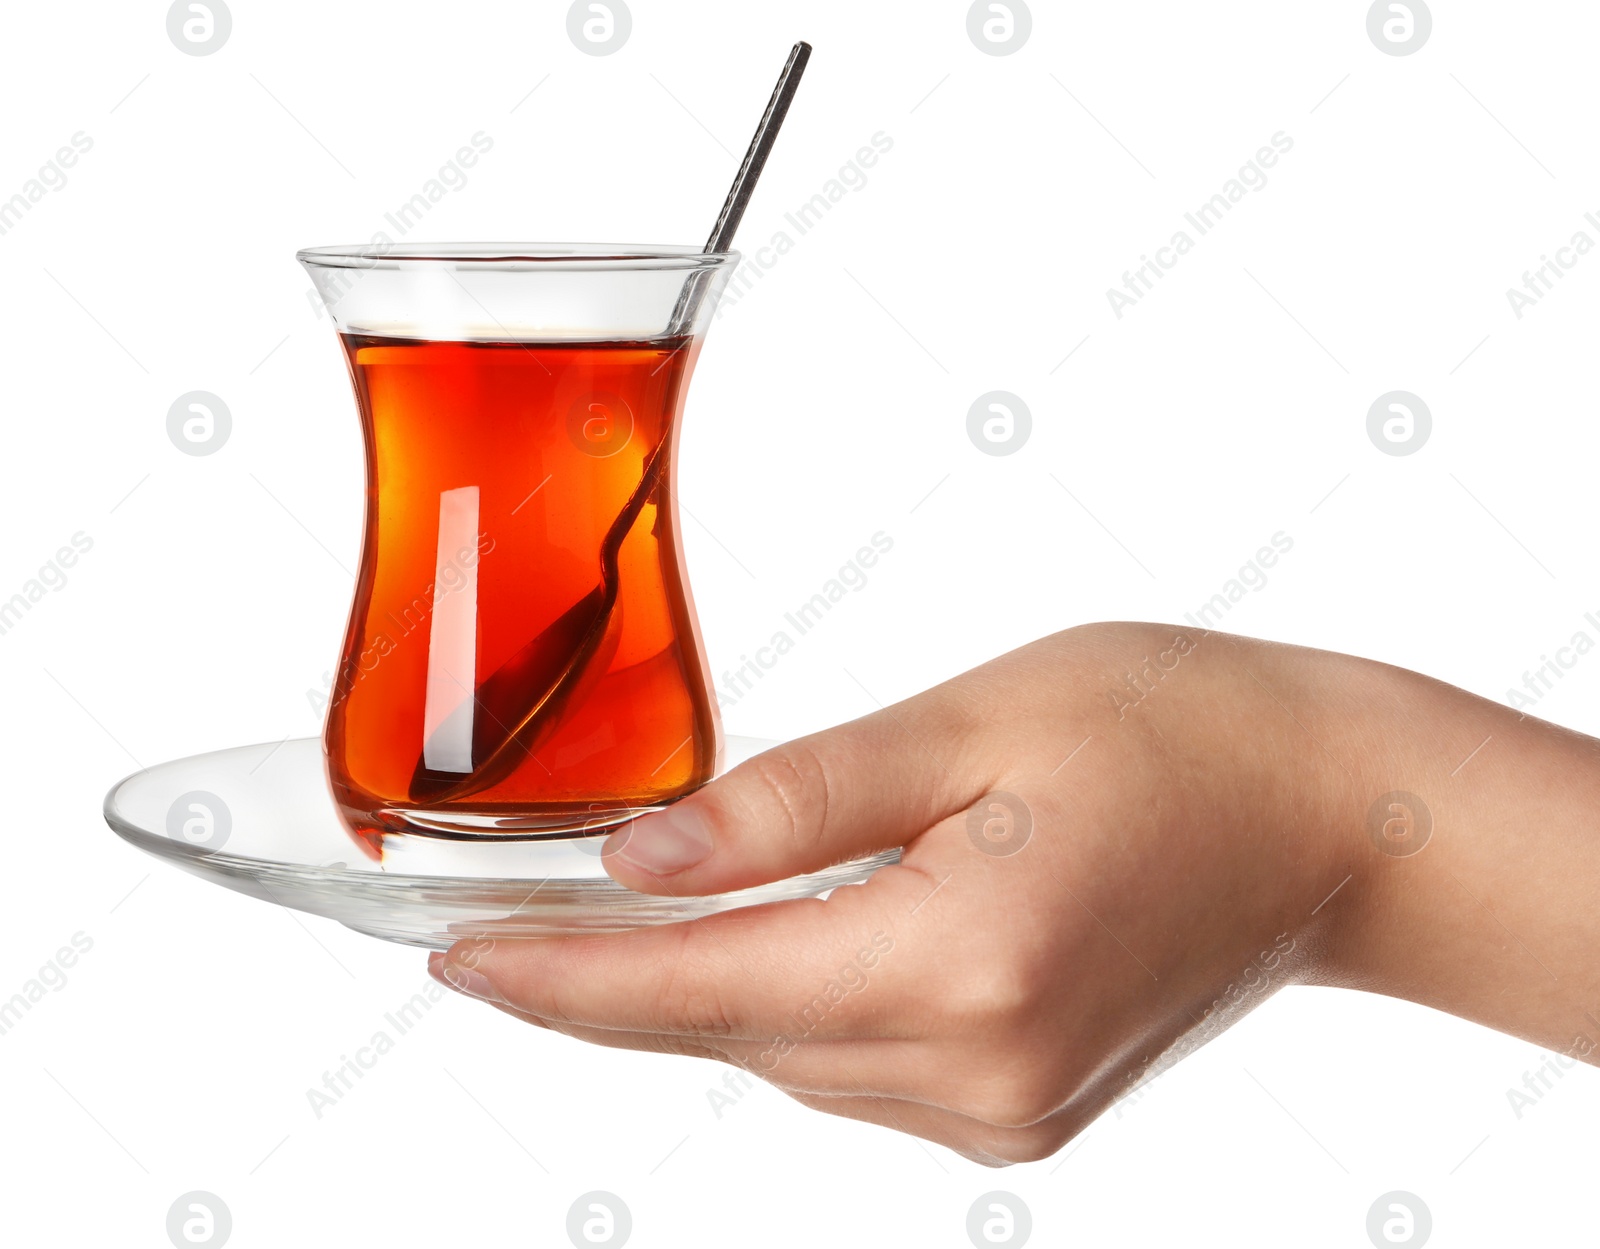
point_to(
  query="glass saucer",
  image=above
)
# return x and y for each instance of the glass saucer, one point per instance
(260, 820)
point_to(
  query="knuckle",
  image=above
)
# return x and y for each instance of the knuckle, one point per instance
(996, 998)
(687, 995)
(796, 783)
(1019, 994)
(684, 1047)
(551, 1005)
(1027, 1145)
(1015, 1102)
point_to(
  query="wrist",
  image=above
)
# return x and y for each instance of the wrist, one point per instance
(1249, 741)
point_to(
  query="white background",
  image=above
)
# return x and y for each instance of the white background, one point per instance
(1230, 404)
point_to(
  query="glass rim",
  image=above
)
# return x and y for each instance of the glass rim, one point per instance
(543, 256)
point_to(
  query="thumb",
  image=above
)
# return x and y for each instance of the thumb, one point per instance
(873, 784)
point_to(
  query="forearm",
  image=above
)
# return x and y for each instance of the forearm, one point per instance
(1475, 867)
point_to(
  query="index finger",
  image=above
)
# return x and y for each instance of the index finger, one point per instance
(807, 969)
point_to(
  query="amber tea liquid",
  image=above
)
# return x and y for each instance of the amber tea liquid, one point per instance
(523, 654)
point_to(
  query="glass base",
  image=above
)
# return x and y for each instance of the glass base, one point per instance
(260, 820)
(525, 826)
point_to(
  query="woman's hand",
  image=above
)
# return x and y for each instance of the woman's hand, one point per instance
(1117, 840)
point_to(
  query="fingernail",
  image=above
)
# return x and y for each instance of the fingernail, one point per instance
(668, 841)
(464, 980)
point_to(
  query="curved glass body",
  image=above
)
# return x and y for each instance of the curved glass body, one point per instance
(522, 656)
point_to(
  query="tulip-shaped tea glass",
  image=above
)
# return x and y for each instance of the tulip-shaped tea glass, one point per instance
(522, 658)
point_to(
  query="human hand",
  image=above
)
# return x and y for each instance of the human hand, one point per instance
(1117, 841)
